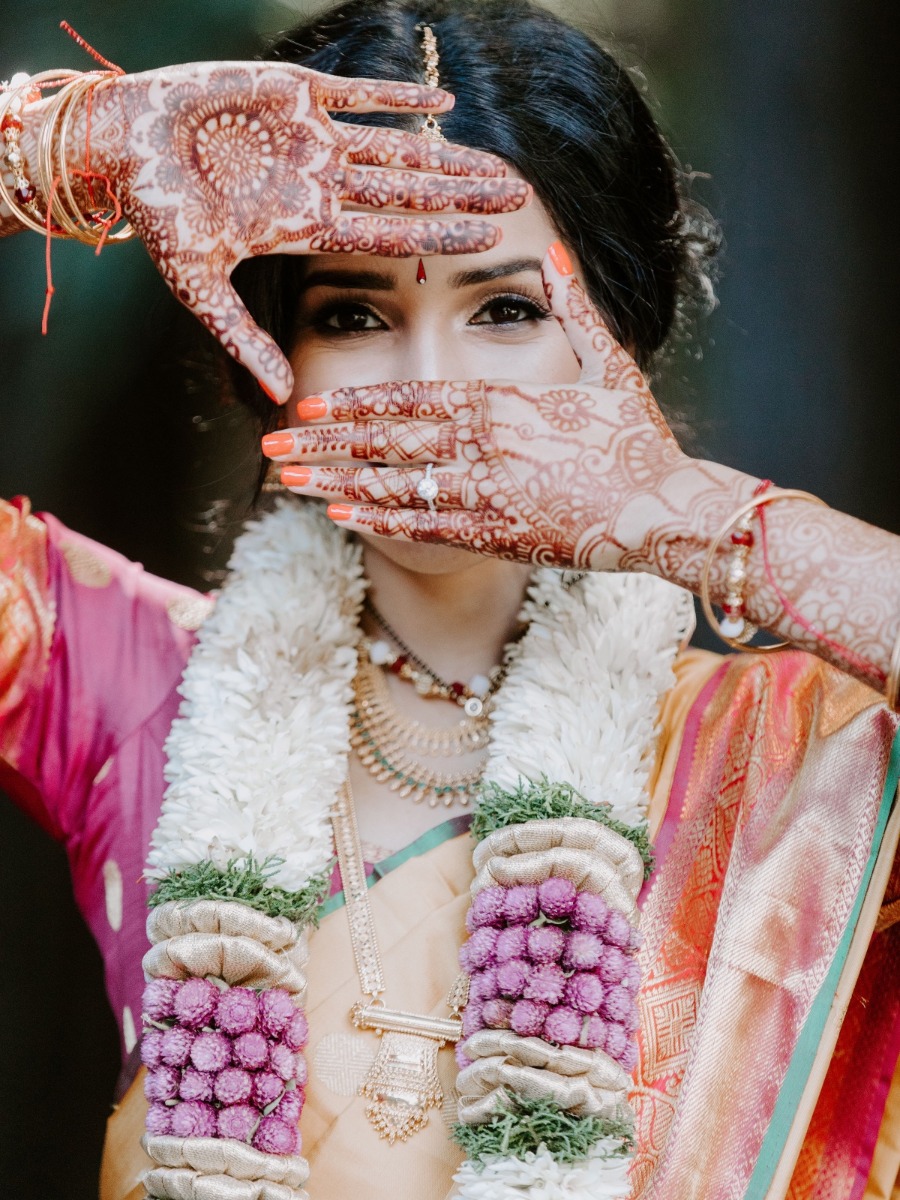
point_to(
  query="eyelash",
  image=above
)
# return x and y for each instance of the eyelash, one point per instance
(534, 309)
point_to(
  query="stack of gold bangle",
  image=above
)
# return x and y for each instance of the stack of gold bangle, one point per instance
(892, 689)
(65, 218)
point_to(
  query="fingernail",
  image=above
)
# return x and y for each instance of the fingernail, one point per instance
(296, 476)
(311, 409)
(265, 387)
(274, 444)
(559, 256)
(340, 512)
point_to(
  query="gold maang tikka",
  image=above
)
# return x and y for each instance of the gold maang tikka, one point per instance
(430, 127)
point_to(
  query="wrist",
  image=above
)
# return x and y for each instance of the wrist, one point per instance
(682, 517)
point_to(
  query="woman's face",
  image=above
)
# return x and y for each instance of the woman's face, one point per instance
(365, 320)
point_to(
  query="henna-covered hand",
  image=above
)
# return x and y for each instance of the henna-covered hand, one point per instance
(214, 163)
(556, 475)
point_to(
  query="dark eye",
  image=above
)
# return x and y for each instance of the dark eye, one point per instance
(508, 310)
(350, 318)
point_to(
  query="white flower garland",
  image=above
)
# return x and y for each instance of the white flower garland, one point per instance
(260, 747)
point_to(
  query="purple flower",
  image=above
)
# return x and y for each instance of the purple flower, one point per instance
(563, 1026)
(585, 992)
(176, 1046)
(487, 908)
(590, 912)
(635, 939)
(556, 897)
(161, 1084)
(472, 1019)
(236, 1011)
(462, 1059)
(267, 1088)
(616, 1041)
(521, 904)
(233, 1086)
(593, 1033)
(511, 943)
(478, 951)
(632, 977)
(290, 1106)
(546, 983)
(159, 1120)
(296, 1033)
(211, 1051)
(275, 1011)
(159, 998)
(251, 1051)
(283, 1062)
(483, 984)
(238, 1122)
(275, 1137)
(618, 1003)
(301, 1070)
(196, 1085)
(496, 1013)
(193, 1118)
(545, 943)
(583, 951)
(613, 966)
(618, 930)
(512, 976)
(527, 1017)
(631, 1020)
(196, 1003)
(151, 1048)
(629, 1056)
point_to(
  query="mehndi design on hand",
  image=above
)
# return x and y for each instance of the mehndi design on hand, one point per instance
(214, 163)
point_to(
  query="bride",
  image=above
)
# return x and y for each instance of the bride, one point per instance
(465, 678)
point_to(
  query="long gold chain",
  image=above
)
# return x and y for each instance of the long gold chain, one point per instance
(402, 1084)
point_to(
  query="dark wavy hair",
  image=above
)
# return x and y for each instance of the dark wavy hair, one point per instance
(542, 95)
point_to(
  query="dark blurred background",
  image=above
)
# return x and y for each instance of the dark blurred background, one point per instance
(788, 115)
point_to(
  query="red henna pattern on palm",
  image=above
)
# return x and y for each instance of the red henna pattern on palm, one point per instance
(214, 163)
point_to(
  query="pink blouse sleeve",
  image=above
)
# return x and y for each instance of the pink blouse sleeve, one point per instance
(27, 622)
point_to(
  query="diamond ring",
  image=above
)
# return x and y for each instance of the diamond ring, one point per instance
(427, 488)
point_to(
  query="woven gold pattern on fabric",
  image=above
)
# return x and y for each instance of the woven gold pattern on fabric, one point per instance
(221, 1156)
(742, 925)
(189, 612)
(239, 961)
(342, 1061)
(84, 565)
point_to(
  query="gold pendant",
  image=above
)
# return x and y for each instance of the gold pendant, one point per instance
(402, 1083)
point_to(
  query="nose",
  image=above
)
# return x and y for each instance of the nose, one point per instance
(430, 351)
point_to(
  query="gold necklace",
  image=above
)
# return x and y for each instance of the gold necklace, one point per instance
(383, 741)
(402, 1084)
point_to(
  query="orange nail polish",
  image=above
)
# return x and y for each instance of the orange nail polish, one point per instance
(275, 444)
(296, 476)
(311, 409)
(559, 256)
(265, 387)
(340, 512)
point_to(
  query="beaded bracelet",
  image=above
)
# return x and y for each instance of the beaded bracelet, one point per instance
(738, 526)
(21, 199)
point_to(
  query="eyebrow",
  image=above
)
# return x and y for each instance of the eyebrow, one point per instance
(386, 281)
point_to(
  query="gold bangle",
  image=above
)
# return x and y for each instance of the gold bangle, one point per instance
(28, 219)
(744, 510)
(892, 686)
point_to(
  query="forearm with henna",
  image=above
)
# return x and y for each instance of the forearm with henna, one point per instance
(832, 585)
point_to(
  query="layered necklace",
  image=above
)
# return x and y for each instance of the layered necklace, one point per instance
(391, 746)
